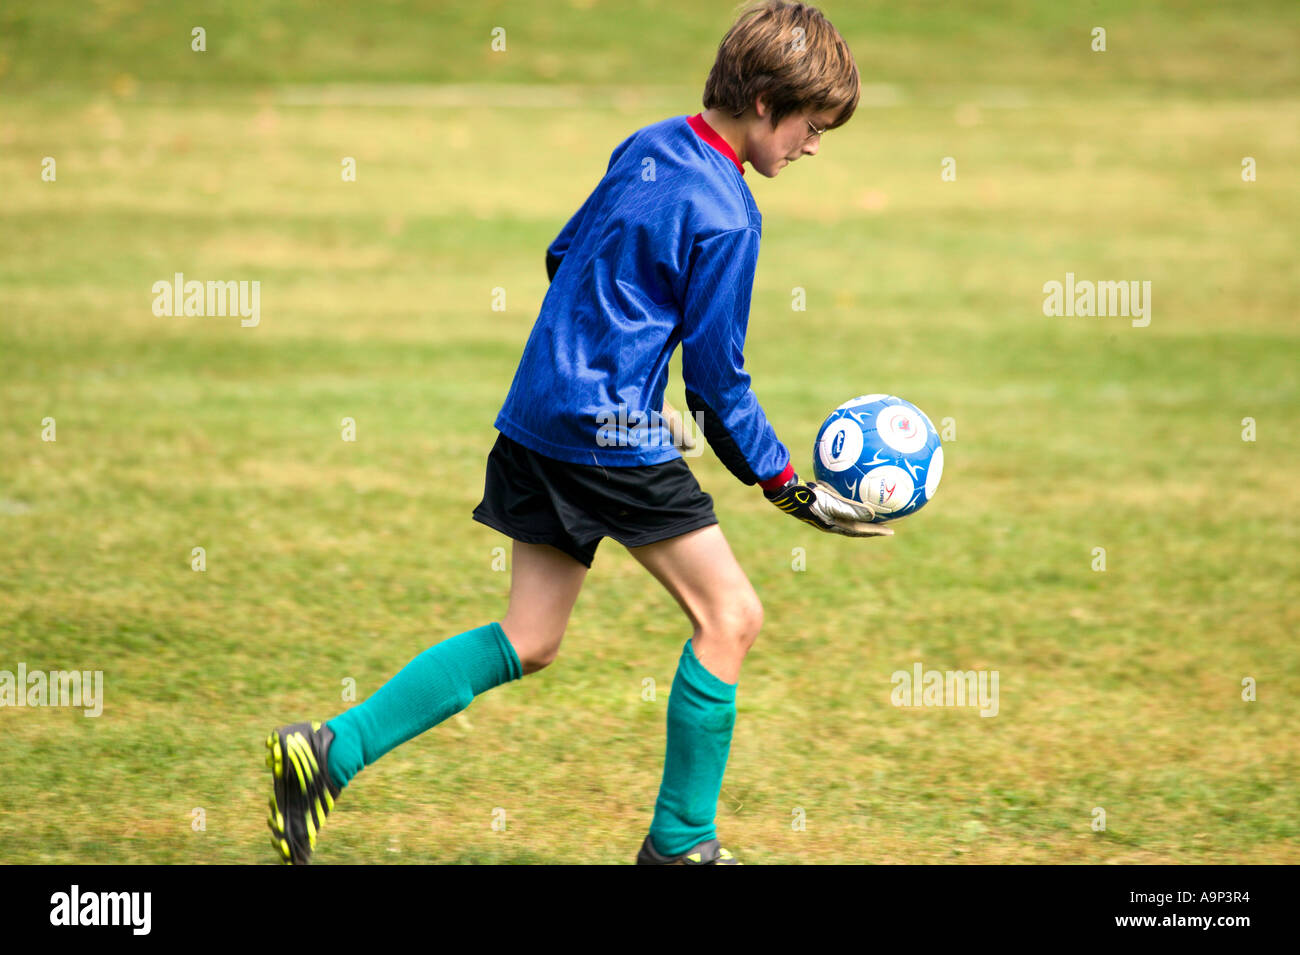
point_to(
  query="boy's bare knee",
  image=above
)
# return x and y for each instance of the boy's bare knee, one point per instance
(535, 651)
(751, 624)
(734, 629)
(531, 663)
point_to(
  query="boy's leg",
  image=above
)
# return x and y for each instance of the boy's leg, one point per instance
(544, 586)
(444, 679)
(311, 762)
(702, 574)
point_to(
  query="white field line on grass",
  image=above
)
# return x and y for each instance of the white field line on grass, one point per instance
(520, 95)
(682, 98)
(506, 95)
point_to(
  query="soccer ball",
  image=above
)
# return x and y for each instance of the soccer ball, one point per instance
(881, 450)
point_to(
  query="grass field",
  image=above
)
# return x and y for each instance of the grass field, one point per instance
(329, 561)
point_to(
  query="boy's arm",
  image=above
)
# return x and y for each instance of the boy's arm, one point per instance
(715, 317)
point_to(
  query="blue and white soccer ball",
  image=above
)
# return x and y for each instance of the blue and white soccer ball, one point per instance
(881, 450)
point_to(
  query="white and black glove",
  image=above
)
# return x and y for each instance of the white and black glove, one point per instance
(826, 509)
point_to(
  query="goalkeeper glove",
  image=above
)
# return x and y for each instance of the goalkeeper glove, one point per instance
(826, 509)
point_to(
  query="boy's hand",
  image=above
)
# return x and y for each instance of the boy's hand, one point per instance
(681, 437)
(826, 509)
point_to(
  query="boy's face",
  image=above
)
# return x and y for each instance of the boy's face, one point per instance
(771, 150)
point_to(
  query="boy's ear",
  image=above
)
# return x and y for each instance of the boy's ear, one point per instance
(763, 108)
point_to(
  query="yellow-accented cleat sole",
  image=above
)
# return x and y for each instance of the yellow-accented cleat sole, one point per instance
(275, 755)
(302, 793)
(275, 819)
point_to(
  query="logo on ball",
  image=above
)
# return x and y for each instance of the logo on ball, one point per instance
(840, 447)
(902, 429)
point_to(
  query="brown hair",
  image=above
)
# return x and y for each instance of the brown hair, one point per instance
(791, 55)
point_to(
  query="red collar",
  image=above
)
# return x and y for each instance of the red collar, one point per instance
(710, 136)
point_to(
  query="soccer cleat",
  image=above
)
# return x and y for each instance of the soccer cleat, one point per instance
(302, 795)
(706, 853)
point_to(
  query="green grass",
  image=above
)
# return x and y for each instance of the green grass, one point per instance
(329, 560)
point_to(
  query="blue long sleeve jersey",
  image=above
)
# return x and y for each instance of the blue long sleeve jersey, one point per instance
(662, 252)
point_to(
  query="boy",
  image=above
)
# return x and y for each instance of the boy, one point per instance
(661, 253)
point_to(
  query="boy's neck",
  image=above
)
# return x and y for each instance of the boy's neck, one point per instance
(731, 129)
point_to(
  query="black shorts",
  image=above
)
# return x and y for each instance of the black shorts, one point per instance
(539, 500)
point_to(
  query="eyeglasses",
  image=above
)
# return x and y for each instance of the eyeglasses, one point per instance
(815, 132)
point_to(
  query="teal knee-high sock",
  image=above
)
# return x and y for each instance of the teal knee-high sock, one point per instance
(701, 714)
(439, 683)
